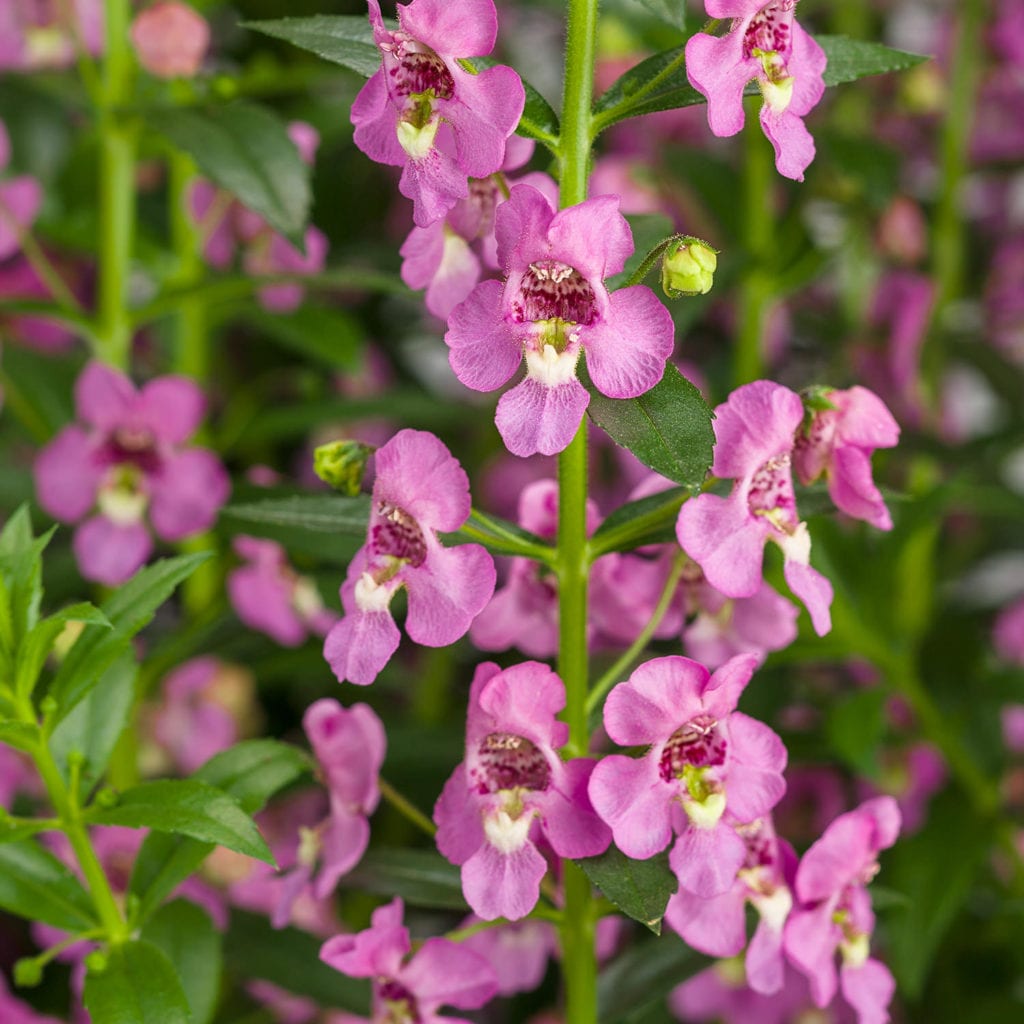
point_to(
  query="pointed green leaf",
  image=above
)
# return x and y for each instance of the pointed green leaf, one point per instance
(138, 985)
(321, 513)
(332, 337)
(128, 610)
(639, 888)
(37, 886)
(187, 807)
(851, 59)
(342, 39)
(650, 520)
(21, 563)
(40, 639)
(19, 735)
(422, 878)
(246, 150)
(668, 429)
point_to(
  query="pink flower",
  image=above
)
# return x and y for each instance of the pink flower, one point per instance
(718, 926)
(20, 280)
(1008, 633)
(835, 913)
(268, 595)
(424, 112)
(20, 199)
(704, 758)
(440, 973)
(1011, 718)
(128, 460)
(519, 952)
(14, 1011)
(552, 306)
(419, 489)
(170, 39)
(837, 442)
(511, 781)
(764, 42)
(755, 432)
(36, 34)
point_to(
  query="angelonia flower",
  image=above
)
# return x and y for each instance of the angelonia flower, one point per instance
(519, 951)
(755, 432)
(20, 199)
(764, 43)
(227, 226)
(14, 1011)
(411, 989)
(424, 112)
(1008, 633)
(270, 596)
(833, 912)
(706, 769)
(552, 307)
(349, 745)
(512, 788)
(420, 488)
(36, 34)
(841, 431)
(170, 39)
(912, 776)
(20, 280)
(717, 925)
(126, 466)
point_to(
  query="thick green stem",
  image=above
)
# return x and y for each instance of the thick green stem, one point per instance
(190, 340)
(117, 191)
(579, 961)
(755, 288)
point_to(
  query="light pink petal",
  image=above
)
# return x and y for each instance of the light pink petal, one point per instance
(807, 65)
(344, 842)
(483, 351)
(349, 744)
(792, 142)
(721, 536)
(755, 424)
(172, 407)
(633, 801)
(722, 691)
(416, 472)
(434, 183)
(447, 592)
(108, 553)
(525, 698)
(567, 816)
(445, 973)
(756, 764)
(376, 123)
(534, 417)
(521, 221)
(715, 926)
(262, 600)
(483, 114)
(593, 237)
(764, 961)
(187, 493)
(466, 30)
(460, 830)
(660, 695)
(717, 70)
(810, 939)
(377, 951)
(360, 645)
(497, 884)
(706, 861)
(865, 421)
(869, 990)
(103, 396)
(626, 354)
(67, 478)
(852, 488)
(814, 590)
(20, 199)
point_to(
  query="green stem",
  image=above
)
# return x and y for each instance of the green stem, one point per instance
(405, 808)
(117, 191)
(579, 960)
(624, 662)
(755, 288)
(621, 109)
(190, 348)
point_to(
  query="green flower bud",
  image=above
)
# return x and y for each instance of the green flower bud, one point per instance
(341, 464)
(97, 961)
(28, 972)
(107, 798)
(688, 268)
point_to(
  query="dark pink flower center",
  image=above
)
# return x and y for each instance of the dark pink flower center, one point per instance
(770, 30)
(552, 290)
(771, 493)
(761, 847)
(507, 761)
(421, 72)
(37, 13)
(398, 1003)
(700, 743)
(395, 533)
(131, 444)
(813, 445)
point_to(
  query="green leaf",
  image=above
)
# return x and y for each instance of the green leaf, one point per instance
(855, 728)
(37, 886)
(639, 888)
(290, 959)
(500, 536)
(650, 520)
(246, 150)
(421, 877)
(644, 975)
(321, 513)
(332, 337)
(93, 727)
(668, 429)
(538, 121)
(187, 807)
(649, 231)
(128, 610)
(39, 642)
(850, 59)
(342, 39)
(137, 986)
(19, 735)
(21, 563)
(184, 933)
(671, 12)
(251, 772)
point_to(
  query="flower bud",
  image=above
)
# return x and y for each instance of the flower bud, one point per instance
(341, 464)
(688, 268)
(28, 972)
(171, 39)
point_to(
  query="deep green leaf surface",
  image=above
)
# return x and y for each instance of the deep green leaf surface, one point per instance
(37, 886)
(246, 150)
(668, 429)
(330, 336)
(187, 807)
(321, 513)
(423, 878)
(851, 59)
(139, 985)
(650, 520)
(342, 39)
(639, 888)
